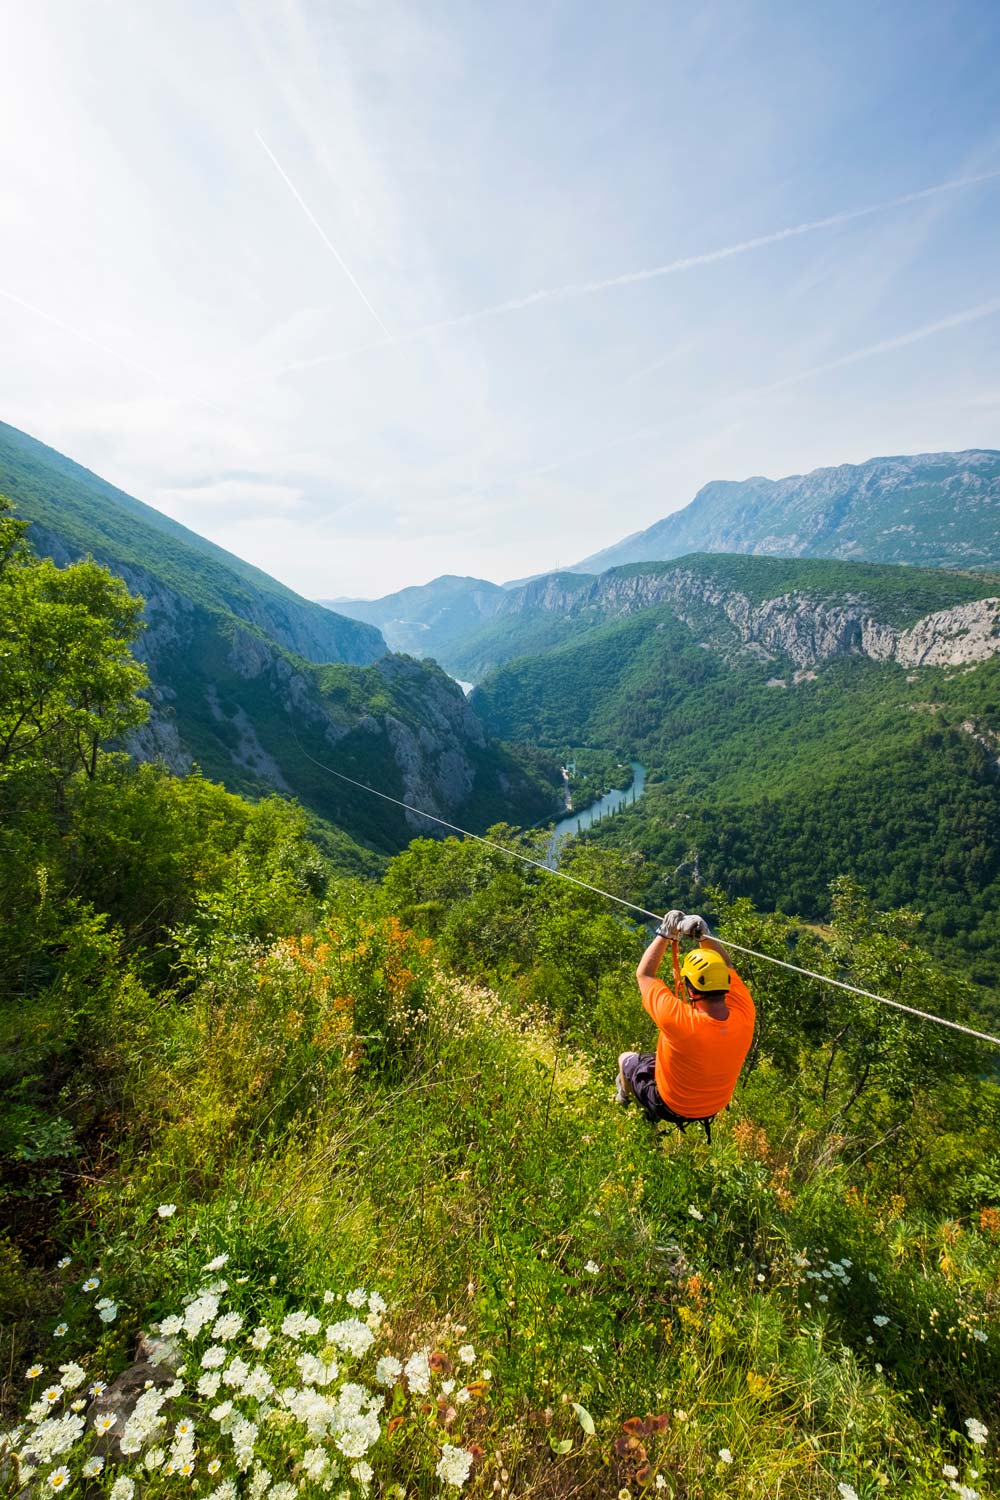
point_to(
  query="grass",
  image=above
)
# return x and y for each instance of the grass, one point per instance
(337, 1110)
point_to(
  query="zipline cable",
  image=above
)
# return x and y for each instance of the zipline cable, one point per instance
(840, 984)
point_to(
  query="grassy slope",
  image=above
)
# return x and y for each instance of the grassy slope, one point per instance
(478, 1175)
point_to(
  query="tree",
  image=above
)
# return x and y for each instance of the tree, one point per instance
(68, 681)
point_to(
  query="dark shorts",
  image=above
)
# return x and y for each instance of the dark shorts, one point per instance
(639, 1072)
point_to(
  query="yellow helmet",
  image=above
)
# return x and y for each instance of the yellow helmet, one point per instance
(706, 970)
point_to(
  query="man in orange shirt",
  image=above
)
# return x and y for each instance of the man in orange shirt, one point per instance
(705, 1034)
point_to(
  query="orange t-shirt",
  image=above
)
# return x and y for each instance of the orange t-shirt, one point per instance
(698, 1059)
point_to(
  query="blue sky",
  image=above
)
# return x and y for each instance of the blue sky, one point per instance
(327, 282)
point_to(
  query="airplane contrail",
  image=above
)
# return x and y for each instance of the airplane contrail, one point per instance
(323, 235)
(652, 273)
(870, 351)
(78, 333)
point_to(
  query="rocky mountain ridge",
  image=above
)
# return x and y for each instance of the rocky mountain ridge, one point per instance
(926, 510)
(805, 626)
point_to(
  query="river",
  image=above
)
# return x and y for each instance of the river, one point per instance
(611, 802)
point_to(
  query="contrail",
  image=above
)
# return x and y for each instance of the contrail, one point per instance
(78, 333)
(870, 351)
(669, 268)
(323, 235)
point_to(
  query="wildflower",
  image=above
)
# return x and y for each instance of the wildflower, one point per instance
(467, 1354)
(352, 1336)
(92, 1467)
(258, 1385)
(949, 1471)
(51, 1394)
(418, 1372)
(33, 1372)
(357, 1298)
(454, 1465)
(167, 1210)
(377, 1304)
(695, 1213)
(847, 1491)
(880, 1320)
(171, 1326)
(660, 1482)
(725, 1455)
(186, 1468)
(329, 1297)
(209, 1383)
(204, 1309)
(216, 1264)
(97, 1388)
(213, 1358)
(105, 1422)
(72, 1376)
(822, 1297)
(77, 1405)
(315, 1463)
(282, 1491)
(388, 1370)
(236, 1373)
(760, 1275)
(91, 1284)
(294, 1325)
(61, 1265)
(154, 1458)
(979, 1335)
(59, 1478)
(681, 1416)
(261, 1337)
(486, 1374)
(363, 1473)
(214, 1466)
(123, 1488)
(977, 1432)
(592, 1268)
(61, 1330)
(184, 1428)
(227, 1326)
(108, 1312)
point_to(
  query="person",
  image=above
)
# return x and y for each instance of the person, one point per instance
(704, 1034)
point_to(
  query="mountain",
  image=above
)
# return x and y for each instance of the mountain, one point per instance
(73, 513)
(798, 720)
(558, 607)
(427, 619)
(255, 685)
(939, 510)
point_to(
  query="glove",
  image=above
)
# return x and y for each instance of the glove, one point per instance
(694, 927)
(671, 924)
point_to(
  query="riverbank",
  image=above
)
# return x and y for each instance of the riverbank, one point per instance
(607, 806)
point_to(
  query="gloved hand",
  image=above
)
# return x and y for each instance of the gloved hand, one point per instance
(671, 924)
(694, 927)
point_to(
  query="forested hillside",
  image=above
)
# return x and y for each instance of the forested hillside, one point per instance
(249, 683)
(791, 733)
(430, 619)
(938, 510)
(340, 1159)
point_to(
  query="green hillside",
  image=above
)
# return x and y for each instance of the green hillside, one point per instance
(248, 681)
(771, 781)
(75, 514)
